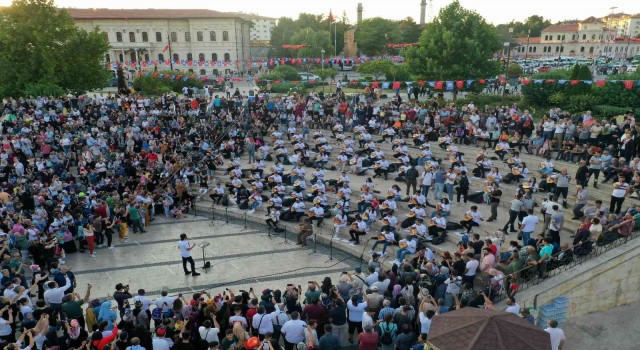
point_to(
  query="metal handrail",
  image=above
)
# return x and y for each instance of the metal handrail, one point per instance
(528, 276)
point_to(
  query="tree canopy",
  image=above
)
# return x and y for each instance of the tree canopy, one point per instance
(373, 34)
(288, 31)
(314, 42)
(375, 68)
(458, 44)
(40, 45)
(531, 26)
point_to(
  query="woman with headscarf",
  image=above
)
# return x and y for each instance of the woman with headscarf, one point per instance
(396, 294)
(75, 334)
(105, 314)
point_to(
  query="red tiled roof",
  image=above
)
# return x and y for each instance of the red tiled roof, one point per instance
(561, 28)
(146, 13)
(591, 20)
(532, 40)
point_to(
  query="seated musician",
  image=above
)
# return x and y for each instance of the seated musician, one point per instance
(358, 228)
(502, 148)
(407, 246)
(471, 218)
(437, 225)
(316, 213)
(217, 193)
(385, 238)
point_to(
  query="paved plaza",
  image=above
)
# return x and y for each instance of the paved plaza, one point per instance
(240, 258)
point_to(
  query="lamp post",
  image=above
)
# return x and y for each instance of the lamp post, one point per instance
(526, 51)
(322, 62)
(506, 69)
(560, 51)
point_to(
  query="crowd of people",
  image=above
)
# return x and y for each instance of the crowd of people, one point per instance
(80, 173)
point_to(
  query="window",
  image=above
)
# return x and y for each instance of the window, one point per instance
(593, 37)
(176, 57)
(121, 58)
(107, 58)
(158, 37)
(214, 57)
(581, 48)
(544, 49)
(225, 36)
(119, 37)
(558, 37)
(584, 36)
(187, 36)
(534, 49)
(190, 70)
(174, 36)
(146, 56)
(212, 36)
(199, 36)
(200, 57)
(145, 37)
(562, 36)
(189, 57)
(227, 57)
(132, 37)
(133, 57)
(561, 48)
(203, 72)
(557, 48)
(160, 57)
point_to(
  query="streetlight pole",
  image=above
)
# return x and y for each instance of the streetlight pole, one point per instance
(560, 51)
(526, 51)
(506, 69)
(322, 62)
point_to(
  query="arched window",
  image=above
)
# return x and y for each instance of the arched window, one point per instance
(214, 57)
(200, 57)
(203, 72)
(107, 58)
(189, 57)
(160, 57)
(227, 57)
(133, 57)
(176, 57)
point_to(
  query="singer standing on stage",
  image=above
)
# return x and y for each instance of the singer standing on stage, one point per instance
(185, 253)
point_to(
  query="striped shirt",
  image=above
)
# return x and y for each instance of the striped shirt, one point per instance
(621, 190)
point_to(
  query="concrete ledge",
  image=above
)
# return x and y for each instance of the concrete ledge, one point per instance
(600, 283)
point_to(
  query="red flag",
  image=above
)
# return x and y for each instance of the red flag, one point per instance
(601, 82)
(439, 85)
(167, 62)
(628, 84)
(166, 48)
(574, 82)
(421, 82)
(550, 81)
(330, 18)
(459, 84)
(481, 81)
(526, 81)
(396, 85)
(375, 84)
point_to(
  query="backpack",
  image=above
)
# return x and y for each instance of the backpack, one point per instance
(386, 337)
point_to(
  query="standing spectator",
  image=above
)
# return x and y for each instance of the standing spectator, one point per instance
(620, 190)
(293, 331)
(412, 179)
(368, 338)
(556, 334)
(494, 200)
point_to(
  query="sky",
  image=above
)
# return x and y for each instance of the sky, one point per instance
(495, 11)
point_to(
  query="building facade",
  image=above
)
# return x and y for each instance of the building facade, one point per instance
(590, 38)
(260, 34)
(624, 24)
(203, 42)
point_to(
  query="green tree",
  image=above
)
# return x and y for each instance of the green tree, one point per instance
(531, 26)
(515, 70)
(325, 73)
(410, 30)
(40, 44)
(314, 41)
(376, 68)
(457, 44)
(398, 72)
(374, 34)
(580, 72)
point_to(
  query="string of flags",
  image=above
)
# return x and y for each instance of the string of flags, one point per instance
(293, 47)
(446, 85)
(401, 45)
(256, 63)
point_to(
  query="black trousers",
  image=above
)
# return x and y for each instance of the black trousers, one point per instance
(191, 262)
(513, 215)
(564, 191)
(468, 224)
(616, 203)
(464, 193)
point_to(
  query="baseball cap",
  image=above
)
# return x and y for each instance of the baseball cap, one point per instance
(161, 331)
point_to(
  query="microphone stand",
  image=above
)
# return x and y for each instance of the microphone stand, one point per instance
(330, 249)
(364, 249)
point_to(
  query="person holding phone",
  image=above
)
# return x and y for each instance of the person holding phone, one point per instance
(185, 252)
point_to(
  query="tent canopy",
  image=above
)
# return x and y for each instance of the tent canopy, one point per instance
(472, 328)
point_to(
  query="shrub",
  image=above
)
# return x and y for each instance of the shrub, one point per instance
(284, 72)
(558, 98)
(580, 103)
(284, 88)
(607, 111)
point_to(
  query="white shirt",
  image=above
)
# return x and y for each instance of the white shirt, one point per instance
(184, 249)
(161, 343)
(425, 323)
(209, 335)
(264, 322)
(54, 295)
(556, 335)
(293, 330)
(529, 223)
(472, 267)
(514, 309)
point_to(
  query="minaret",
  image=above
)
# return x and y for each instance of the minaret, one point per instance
(423, 10)
(359, 13)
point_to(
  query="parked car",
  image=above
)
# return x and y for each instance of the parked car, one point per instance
(305, 76)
